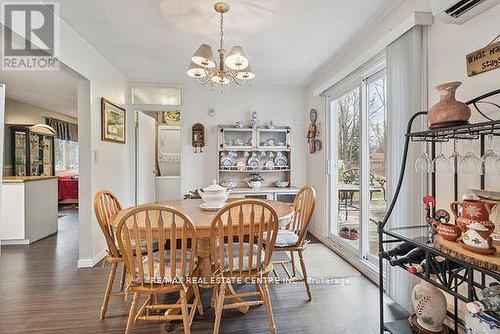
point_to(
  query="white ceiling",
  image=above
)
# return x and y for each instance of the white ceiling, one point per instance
(285, 40)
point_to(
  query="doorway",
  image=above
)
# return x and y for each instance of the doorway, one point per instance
(358, 173)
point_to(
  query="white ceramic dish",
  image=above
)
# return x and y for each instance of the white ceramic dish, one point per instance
(282, 184)
(206, 207)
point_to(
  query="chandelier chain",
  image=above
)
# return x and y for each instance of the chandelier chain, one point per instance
(221, 30)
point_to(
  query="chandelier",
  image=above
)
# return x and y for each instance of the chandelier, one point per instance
(233, 68)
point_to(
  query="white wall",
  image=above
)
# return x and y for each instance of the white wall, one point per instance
(103, 165)
(282, 104)
(22, 113)
(447, 63)
(111, 169)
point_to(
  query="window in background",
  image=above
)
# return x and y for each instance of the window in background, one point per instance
(66, 155)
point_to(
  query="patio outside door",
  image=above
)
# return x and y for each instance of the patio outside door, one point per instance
(357, 165)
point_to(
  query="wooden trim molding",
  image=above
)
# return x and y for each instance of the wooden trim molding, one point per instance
(89, 263)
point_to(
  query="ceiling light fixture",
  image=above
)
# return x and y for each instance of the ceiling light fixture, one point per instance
(233, 68)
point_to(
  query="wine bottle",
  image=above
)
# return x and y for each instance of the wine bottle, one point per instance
(422, 267)
(401, 249)
(416, 255)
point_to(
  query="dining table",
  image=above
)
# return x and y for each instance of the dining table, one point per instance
(202, 220)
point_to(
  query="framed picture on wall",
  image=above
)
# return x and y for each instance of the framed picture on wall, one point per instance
(113, 122)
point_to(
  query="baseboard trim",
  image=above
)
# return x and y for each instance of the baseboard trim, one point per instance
(89, 263)
(11, 242)
(366, 268)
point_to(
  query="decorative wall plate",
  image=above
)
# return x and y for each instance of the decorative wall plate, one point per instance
(317, 145)
(313, 115)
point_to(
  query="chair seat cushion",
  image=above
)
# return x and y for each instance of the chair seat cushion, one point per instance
(236, 258)
(156, 278)
(285, 238)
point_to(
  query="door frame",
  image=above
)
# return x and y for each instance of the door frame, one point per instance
(152, 108)
(362, 254)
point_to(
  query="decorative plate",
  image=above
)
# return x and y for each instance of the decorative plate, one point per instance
(206, 207)
(313, 115)
(253, 161)
(271, 142)
(280, 160)
(269, 164)
(317, 145)
(227, 161)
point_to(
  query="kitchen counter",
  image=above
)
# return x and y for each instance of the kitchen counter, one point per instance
(19, 179)
(28, 209)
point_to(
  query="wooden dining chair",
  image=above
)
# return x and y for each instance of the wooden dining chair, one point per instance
(239, 253)
(106, 206)
(161, 271)
(293, 237)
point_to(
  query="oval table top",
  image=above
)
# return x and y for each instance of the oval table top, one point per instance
(202, 219)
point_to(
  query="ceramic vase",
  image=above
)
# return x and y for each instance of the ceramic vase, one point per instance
(429, 305)
(448, 111)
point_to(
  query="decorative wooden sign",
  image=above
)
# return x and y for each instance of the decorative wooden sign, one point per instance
(483, 60)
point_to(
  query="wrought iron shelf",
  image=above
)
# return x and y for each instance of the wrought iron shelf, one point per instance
(464, 131)
(450, 272)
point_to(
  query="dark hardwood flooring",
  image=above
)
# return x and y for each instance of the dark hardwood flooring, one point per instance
(42, 291)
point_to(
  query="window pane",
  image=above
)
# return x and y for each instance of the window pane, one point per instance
(66, 155)
(376, 98)
(348, 139)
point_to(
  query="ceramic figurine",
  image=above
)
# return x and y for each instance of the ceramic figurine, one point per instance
(448, 111)
(254, 122)
(429, 305)
(271, 125)
(239, 124)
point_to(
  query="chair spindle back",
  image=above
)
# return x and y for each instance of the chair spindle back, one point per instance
(143, 236)
(106, 206)
(242, 237)
(303, 207)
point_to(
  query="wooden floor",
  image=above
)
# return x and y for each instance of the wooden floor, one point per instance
(42, 291)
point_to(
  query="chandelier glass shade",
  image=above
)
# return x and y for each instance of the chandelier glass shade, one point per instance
(231, 68)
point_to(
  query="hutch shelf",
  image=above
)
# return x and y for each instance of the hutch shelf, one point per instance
(459, 277)
(246, 153)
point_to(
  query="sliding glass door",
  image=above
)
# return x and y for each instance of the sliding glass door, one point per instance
(358, 168)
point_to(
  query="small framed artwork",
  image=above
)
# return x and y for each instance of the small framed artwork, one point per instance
(113, 122)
